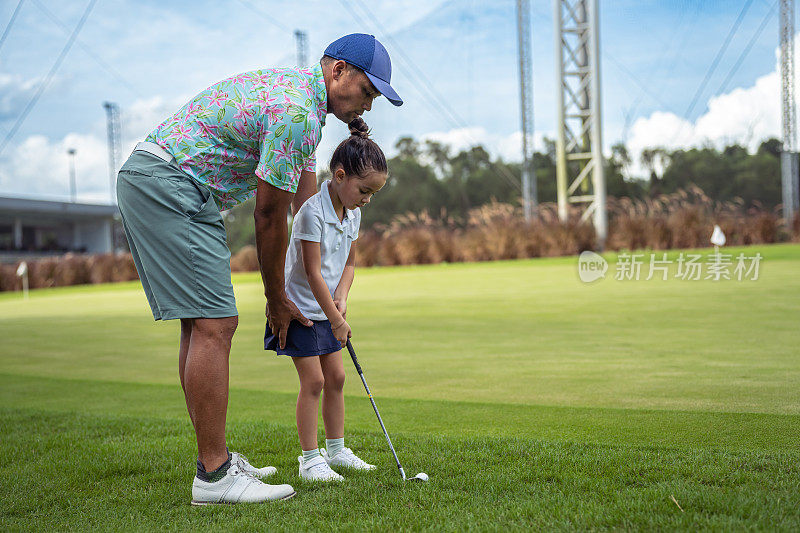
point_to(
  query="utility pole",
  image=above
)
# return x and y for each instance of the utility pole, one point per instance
(529, 193)
(579, 143)
(301, 39)
(114, 145)
(73, 186)
(790, 169)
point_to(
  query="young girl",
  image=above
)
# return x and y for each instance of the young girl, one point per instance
(320, 264)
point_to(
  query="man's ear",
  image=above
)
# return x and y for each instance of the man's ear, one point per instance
(339, 68)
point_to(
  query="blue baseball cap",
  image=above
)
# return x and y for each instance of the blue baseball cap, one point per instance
(365, 52)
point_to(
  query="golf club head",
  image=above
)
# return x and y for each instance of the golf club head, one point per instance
(422, 476)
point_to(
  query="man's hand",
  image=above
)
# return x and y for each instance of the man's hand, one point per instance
(342, 332)
(280, 312)
(341, 306)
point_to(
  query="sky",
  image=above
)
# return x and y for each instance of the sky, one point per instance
(455, 64)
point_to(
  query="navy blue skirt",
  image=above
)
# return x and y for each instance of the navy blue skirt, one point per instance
(304, 341)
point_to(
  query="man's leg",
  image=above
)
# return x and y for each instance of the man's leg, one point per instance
(183, 352)
(205, 382)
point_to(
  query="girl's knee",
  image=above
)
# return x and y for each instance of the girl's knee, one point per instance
(334, 381)
(313, 385)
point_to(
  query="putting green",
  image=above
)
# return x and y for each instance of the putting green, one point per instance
(520, 332)
(533, 400)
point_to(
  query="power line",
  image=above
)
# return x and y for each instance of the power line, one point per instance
(49, 76)
(429, 98)
(417, 72)
(711, 70)
(433, 97)
(747, 48)
(108, 68)
(265, 16)
(638, 82)
(659, 65)
(10, 23)
(717, 59)
(408, 71)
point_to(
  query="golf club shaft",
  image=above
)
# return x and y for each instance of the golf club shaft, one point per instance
(374, 407)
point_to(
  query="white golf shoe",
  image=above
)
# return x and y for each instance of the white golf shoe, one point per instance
(237, 487)
(317, 469)
(250, 469)
(346, 459)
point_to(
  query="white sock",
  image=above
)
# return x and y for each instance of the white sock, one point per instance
(310, 454)
(334, 446)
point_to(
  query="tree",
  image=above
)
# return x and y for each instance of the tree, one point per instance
(655, 159)
(407, 147)
(727, 174)
(411, 187)
(616, 184)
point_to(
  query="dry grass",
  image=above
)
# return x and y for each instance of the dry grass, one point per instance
(685, 219)
(491, 232)
(70, 269)
(245, 260)
(494, 231)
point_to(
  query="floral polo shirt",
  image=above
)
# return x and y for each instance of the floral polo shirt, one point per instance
(262, 124)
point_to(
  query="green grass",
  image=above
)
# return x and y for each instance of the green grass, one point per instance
(533, 401)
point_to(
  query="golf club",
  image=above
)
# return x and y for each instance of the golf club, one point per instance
(422, 476)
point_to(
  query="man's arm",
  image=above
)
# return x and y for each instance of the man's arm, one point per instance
(306, 188)
(272, 236)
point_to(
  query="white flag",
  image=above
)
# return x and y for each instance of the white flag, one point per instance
(717, 237)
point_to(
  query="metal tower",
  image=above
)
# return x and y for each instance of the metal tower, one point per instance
(790, 170)
(579, 146)
(529, 196)
(114, 145)
(301, 39)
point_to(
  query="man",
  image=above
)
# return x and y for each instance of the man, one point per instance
(255, 133)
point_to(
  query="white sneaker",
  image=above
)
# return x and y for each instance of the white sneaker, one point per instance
(250, 469)
(237, 487)
(317, 469)
(347, 459)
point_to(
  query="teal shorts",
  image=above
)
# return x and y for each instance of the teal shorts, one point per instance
(177, 239)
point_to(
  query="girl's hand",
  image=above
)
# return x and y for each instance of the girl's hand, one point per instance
(341, 306)
(342, 332)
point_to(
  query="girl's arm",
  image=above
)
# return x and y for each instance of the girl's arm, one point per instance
(343, 289)
(312, 264)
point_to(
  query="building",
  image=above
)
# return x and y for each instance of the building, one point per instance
(31, 228)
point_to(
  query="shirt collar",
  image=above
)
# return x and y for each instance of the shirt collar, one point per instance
(320, 92)
(328, 212)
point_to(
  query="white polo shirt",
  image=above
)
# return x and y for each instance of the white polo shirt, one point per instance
(317, 221)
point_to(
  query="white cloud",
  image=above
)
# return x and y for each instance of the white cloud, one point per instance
(508, 147)
(39, 166)
(745, 115)
(15, 91)
(142, 116)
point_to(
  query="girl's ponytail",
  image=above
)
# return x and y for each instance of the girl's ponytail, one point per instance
(358, 152)
(359, 128)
